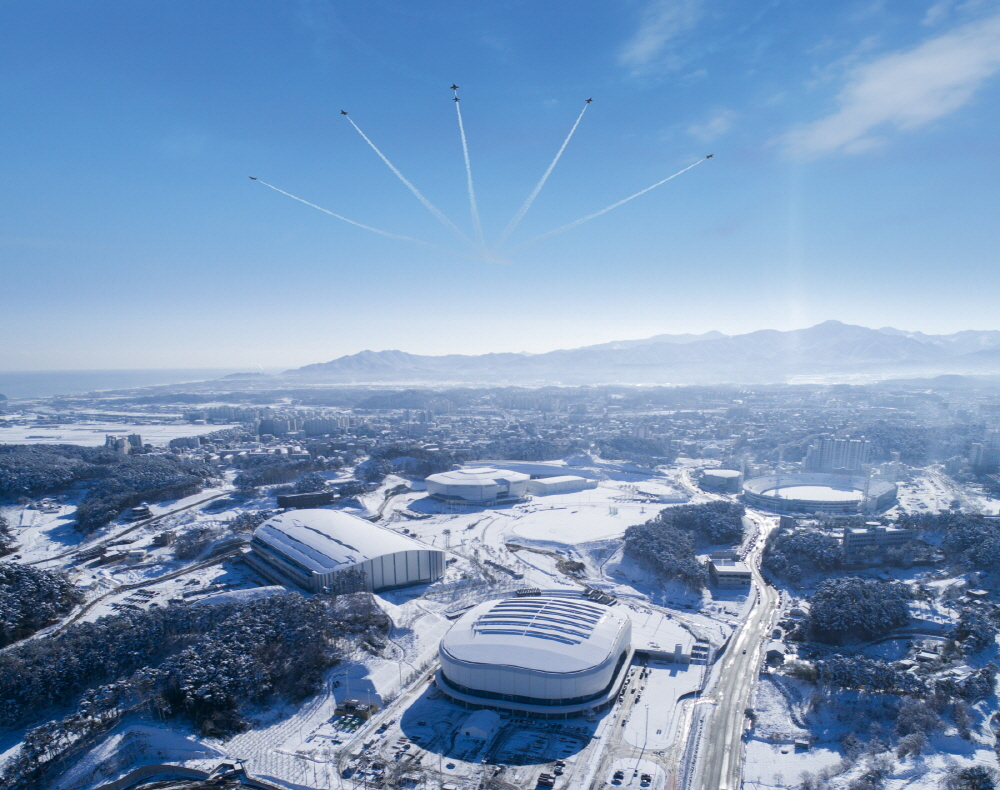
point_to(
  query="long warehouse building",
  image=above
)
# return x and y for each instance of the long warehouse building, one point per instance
(318, 549)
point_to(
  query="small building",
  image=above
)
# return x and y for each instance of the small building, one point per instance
(312, 499)
(481, 725)
(353, 707)
(138, 513)
(727, 481)
(730, 574)
(874, 535)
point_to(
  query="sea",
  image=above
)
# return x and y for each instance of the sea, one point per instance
(50, 383)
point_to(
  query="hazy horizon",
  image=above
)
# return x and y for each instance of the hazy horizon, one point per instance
(221, 370)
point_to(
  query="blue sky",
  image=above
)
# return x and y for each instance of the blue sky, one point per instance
(854, 174)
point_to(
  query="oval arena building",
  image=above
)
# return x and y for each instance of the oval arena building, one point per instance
(550, 656)
(819, 493)
(478, 486)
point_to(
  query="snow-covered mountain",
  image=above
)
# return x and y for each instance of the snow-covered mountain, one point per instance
(966, 342)
(831, 349)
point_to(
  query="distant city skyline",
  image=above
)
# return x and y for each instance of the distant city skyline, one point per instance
(853, 176)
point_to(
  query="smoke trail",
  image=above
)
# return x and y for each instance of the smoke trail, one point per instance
(538, 187)
(429, 206)
(477, 226)
(589, 217)
(396, 236)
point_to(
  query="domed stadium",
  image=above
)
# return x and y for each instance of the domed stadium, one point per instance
(551, 656)
(478, 486)
(819, 493)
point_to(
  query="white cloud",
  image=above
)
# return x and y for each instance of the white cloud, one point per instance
(937, 12)
(905, 90)
(662, 21)
(717, 125)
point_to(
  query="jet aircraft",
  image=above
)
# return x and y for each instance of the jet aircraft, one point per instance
(456, 99)
(343, 112)
(454, 87)
(589, 101)
(252, 178)
(710, 156)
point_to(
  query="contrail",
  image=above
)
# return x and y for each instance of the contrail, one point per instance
(538, 187)
(396, 236)
(589, 217)
(430, 206)
(477, 226)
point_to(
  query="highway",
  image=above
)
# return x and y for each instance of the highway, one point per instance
(720, 751)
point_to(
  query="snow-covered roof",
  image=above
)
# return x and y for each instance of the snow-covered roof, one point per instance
(480, 476)
(484, 720)
(545, 633)
(328, 540)
(560, 479)
(730, 566)
(729, 473)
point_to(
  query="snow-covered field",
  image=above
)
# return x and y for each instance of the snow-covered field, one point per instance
(93, 433)
(551, 542)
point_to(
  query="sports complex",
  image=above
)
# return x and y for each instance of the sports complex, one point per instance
(317, 549)
(550, 656)
(819, 493)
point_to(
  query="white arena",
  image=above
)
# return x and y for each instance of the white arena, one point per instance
(818, 493)
(316, 548)
(478, 486)
(551, 656)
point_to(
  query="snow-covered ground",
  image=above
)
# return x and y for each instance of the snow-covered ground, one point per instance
(47, 535)
(780, 749)
(652, 724)
(550, 542)
(92, 433)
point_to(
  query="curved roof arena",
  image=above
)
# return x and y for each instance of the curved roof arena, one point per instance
(538, 654)
(328, 540)
(312, 547)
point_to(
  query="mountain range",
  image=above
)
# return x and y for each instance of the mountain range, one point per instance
(831, 351)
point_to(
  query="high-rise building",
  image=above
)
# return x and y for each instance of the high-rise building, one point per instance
(838, 455)
(985, 457)
(317, 426)
(119, 444)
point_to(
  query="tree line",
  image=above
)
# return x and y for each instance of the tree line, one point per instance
(667, 544)
(205, 663)
(32, 598)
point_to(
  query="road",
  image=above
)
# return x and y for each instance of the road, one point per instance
(138, 586)
(138, 525)
(721, 747)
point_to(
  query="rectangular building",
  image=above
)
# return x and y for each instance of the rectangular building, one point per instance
(875, 535)
(730, 574)
(838, 455)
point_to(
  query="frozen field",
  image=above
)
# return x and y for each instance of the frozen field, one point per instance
(815, 493)
(92, 434)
